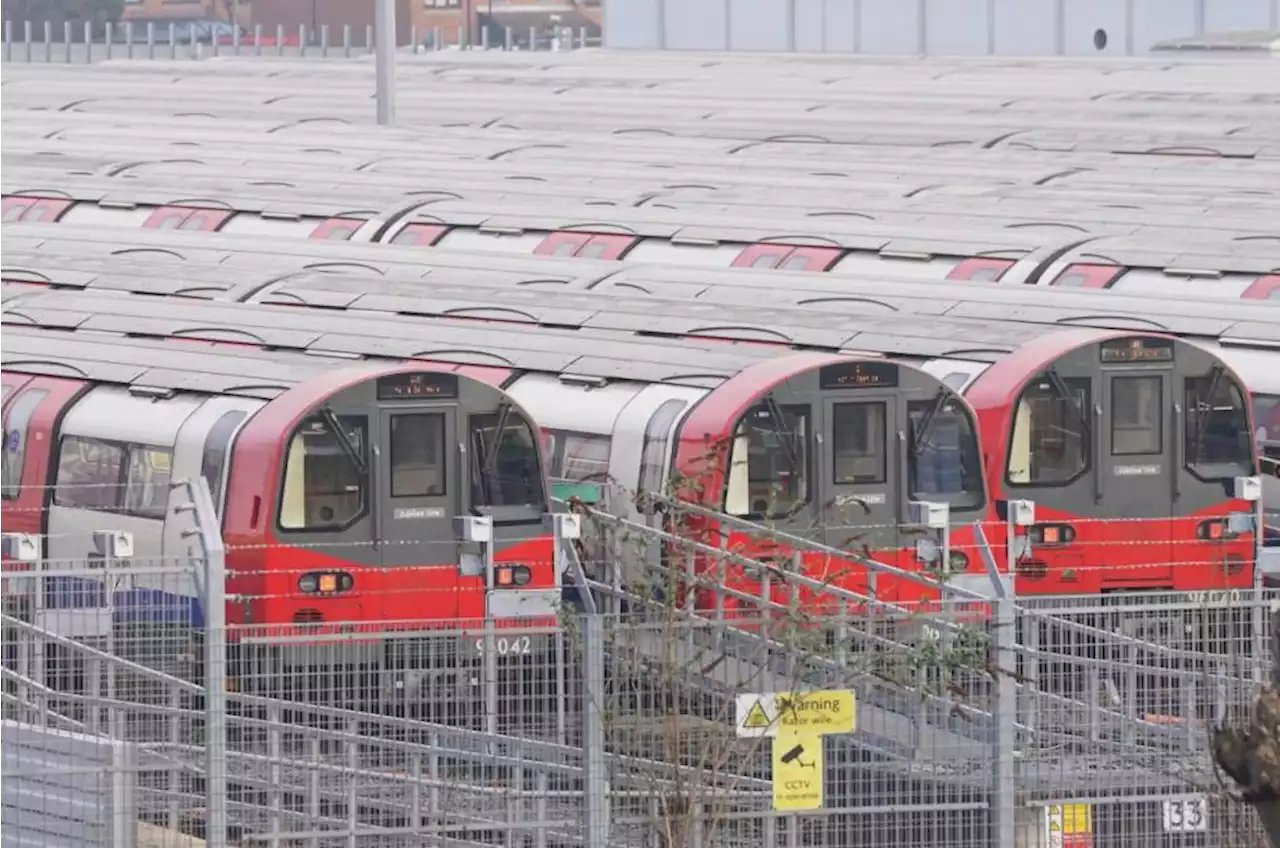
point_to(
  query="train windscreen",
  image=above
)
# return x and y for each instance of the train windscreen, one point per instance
(506, 470)
(768, 466)
(1218, 441)
(944, 461)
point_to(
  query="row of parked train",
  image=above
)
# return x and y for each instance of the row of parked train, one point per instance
(352, 354)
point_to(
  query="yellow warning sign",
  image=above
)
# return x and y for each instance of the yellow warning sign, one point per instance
(757, 718)
(797, 772)
(1069, 826)
(830, 711)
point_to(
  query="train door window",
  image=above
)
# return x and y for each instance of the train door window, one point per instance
(206, 220)
(762, 255)
(1137, 420)
(944, 453)
(585, 458)
(418, 468)
(506, 470)
(1050, 442)
(15, 439)
(337, 229)
(146, 489)
(34, 209)
(653, 454)
(90, 473)
(981, 270)
(858, 449)
(326, 475)
(1087, 276)
(605, 247)
(1217, 439)
(421, 235)
(562, 244)
(216, 451)
(769, 461)
(166, 218)
(810, 259)
(1263, 288)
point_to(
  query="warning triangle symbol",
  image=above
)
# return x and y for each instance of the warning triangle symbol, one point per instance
(757, 718)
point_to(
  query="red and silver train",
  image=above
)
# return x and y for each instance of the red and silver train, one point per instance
(336, 483)
(1061, 416)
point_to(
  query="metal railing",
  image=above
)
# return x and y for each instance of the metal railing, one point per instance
(67, 43)
(982, 718)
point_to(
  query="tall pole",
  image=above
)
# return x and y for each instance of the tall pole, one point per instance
(385, 43)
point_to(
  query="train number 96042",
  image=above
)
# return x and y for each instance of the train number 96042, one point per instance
(507, 646)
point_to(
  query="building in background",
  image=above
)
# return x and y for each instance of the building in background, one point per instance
(912, 27)
(450, 20)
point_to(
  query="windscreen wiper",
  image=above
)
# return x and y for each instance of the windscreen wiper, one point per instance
(1202, 421)
(939, 400)
(1062, 389)
(780, 428)
(344, 441)
(491, 456)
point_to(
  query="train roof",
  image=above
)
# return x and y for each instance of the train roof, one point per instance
(344, 275)
(122, 360)
(812, 311)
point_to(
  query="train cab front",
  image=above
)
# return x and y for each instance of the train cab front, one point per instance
(836, 451)
(1135, 450)
(343, 499)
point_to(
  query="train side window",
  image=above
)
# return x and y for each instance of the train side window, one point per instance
(653, 455)
(769, 462)
(510, 472)
(944, 454)
(90, 474)
(768, 260)
(1217, 439)
(590, 250)
(214, 458)
(1050, 442)
(418, 467)
(586, 458)
(146, 491)
(858, 444)
(326, 475)
(1137, 420)
(15, 440)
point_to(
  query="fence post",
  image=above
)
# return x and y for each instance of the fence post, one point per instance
(597, 826)
(257, 39)
(368, 37)
(48, 42)
(109, 34)
(302, 40)
(506, 35)
(173, 41)
(1004, 810)
(484, 38)
(346, 41)
(88, 42)
(26, 38)
(8, 41)
(533, 38)
(279, 39)
(324, 41)
(66, 40)
(215, 663)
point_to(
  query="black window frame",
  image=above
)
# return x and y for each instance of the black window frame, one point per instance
(215, 454)
(441, 447)
(807, 467)
(883, 407)
(475, 426)
(657, 436)
(11, 489)
(283, 476)
(120, 505)
(1245, 408)
(1158, 379)
(1086, 449)
(974, 448)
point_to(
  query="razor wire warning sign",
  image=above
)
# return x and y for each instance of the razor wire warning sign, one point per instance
(816, 713)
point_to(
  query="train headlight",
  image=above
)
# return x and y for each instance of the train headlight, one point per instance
(326, 582)
(1048, 535)
(511, 576)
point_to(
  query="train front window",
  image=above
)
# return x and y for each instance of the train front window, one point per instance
(1137, 420)
(1050, 443)
(1218, 443)
(418, 467)
(326, 475)
(506, 470)
(858, 449)
(769, 461)
(944, 463)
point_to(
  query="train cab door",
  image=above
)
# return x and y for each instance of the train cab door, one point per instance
(1137, 474)
(418, 495)
(858, 474)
